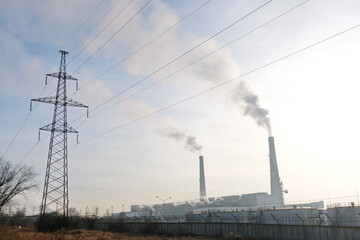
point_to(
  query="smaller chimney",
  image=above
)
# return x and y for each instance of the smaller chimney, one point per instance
(202, 178)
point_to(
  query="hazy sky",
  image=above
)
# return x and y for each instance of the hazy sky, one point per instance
(312, 97)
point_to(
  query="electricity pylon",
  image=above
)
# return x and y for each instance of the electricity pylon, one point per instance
(55, 198)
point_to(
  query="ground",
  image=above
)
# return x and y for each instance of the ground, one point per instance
(17, 233)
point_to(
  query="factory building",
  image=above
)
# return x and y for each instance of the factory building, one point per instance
(260, 205)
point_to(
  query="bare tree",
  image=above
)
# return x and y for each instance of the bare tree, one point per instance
(73, 212)
(14, 179)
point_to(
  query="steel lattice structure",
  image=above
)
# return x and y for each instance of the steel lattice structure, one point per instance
(55, 192)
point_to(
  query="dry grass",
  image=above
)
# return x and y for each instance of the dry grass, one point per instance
(12, 233)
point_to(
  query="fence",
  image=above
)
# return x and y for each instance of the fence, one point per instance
(312, 217)
(247, 230)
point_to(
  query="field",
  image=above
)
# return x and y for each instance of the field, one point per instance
(13, 233)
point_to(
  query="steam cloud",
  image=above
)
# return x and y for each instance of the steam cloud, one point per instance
(249, 103)
(189, 140)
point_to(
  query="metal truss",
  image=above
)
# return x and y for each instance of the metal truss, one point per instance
(55, 198)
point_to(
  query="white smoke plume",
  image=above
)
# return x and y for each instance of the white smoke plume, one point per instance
(189, 140)
(249, 103)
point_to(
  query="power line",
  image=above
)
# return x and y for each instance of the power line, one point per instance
(102, 30)
(28, 152)
(22, 124)
(32, 149)
(183, 54)
(83, 24)
(192, 62)
(97, 23)
(224, 83)
(148, 43)
(53, 62)
(104, 44)
(198, 60)
(15, 136)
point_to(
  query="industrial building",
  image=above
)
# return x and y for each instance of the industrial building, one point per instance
(258, 206)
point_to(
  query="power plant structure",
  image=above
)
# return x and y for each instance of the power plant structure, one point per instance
(202, 178)
(277, 192)
(245, 202)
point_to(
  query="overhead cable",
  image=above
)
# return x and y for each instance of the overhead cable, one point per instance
(83, 24)
(101, 31)
(96, 24)
(107, 41)
(148, 43)
(196, 61)
(225, 82)
(183, 54)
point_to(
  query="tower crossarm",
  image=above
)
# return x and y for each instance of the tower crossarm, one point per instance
(60, 101)
(58, 128)
(62, 75)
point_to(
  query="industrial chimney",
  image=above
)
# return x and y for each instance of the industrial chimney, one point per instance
(276, 185)
(202, 178)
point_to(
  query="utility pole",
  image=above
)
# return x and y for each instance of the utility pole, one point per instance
(55, 200)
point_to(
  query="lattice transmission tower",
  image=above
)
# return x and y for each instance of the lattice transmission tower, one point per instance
(55, 198)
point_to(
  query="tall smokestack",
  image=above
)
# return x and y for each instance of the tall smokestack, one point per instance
(202, 178)
(276, 185)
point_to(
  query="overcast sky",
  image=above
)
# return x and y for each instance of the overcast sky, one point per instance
(310, 98)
